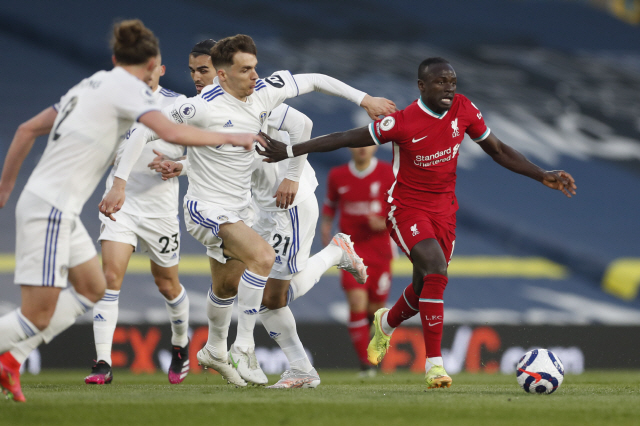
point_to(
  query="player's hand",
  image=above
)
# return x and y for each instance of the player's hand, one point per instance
(376, 107)
(272, 149)
(245, 140)
(113, 201)
(155, 163)
(377, 223)
(5, 193)
(286, 193)
(560, 180)
(170, 169)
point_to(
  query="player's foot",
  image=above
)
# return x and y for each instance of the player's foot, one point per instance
(179, 367)
(297, 379)
(367, 372)
(10, 383)
(247, 365)
(101, 374)
(380, 342)
(436, 377)
(226, 370)
(350, 260)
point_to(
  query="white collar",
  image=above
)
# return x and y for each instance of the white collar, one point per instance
(426, 109)
(364, 173)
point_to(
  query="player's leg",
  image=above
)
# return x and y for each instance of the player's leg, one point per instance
(117, 249)
(358, 325)
(177, 304)
(160, 239)
(244, 244)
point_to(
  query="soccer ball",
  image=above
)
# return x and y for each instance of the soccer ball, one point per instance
(540, 371)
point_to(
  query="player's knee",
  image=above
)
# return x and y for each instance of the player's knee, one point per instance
(113, 278)
(263, 260)
(274, 301)
(93, 292)
(169, 288)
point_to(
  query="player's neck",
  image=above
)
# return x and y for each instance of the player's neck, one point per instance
(362, 166)
(230, 91)
(137, 71)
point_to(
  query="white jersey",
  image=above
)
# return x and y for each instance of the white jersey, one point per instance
(147, 195)
(93, 117)
(285, 124)
(222, 175)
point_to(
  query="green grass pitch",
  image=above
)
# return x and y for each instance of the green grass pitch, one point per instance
(62, 398)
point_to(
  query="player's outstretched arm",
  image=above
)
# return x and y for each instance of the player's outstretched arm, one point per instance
(376, 107)
(20, 147)
(513, 160)
(192, 136)
(277, 151)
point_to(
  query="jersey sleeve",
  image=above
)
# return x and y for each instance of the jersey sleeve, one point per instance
(191, 111)
(298, 126)
(477, 130)
(388, 129)
(331, 200)
(132, 99)
(276, 88)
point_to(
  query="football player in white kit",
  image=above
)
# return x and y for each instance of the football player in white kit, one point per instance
(150, 217)
(217, 205)
(52, 245)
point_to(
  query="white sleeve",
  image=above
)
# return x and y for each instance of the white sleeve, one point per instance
(328, 85)
(133, 146)
(299, 128)
(192, 111)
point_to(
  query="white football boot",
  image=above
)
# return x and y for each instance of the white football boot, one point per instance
(297, 379)
(226, 370)
(350, 260)
(247, 365)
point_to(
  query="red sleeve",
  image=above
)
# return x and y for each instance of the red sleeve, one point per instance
(477, 130)
(331, 200)
(389, 129)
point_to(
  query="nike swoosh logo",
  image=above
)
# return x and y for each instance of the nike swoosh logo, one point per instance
(435, 323)
(414, 140)
(536, 376)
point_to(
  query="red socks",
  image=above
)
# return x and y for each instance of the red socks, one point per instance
(359, 331)
(405, 308)
(432, 312)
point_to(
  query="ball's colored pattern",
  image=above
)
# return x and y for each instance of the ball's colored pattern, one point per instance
(540, 371)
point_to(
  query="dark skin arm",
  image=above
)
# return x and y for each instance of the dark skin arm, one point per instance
(513, 160)
(277, 151)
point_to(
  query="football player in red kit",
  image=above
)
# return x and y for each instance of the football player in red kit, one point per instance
(358, 190)
(426, 136)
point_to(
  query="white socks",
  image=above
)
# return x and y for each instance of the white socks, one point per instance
(219, 315)
(281, 327)
(70, 306)
(388, 330)
(431, 361)
(14, 328)
(317, 265)
(105, 318)
(178, 309)
(250, 293)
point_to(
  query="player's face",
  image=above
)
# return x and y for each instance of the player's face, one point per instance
(438, 87)
(202, 71)
(364, 154)
(240, 78)
(158, 71)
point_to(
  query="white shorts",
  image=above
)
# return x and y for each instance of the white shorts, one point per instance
(290, 233)
(48, 243)
(159, 237)
(203, 221)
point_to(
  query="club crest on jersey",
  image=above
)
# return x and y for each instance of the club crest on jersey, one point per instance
(414, 230)
(222, 218)
(187, 110)
(263, 116)
(454, 126)
(387, 123)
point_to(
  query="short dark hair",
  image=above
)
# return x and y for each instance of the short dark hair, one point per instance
(203, 47)
(424, 65)
(133, 43)
(223, 51)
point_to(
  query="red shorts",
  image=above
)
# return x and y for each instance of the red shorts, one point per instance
(408, 227)
(378, 284)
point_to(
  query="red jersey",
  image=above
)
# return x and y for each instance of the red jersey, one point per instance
(425, 148)
(359, 194)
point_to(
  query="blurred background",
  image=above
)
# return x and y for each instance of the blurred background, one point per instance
(557, 80)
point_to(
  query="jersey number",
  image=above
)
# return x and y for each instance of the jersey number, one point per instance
(166, 241)
(275, 80)
(278, 239)
(65, 113)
